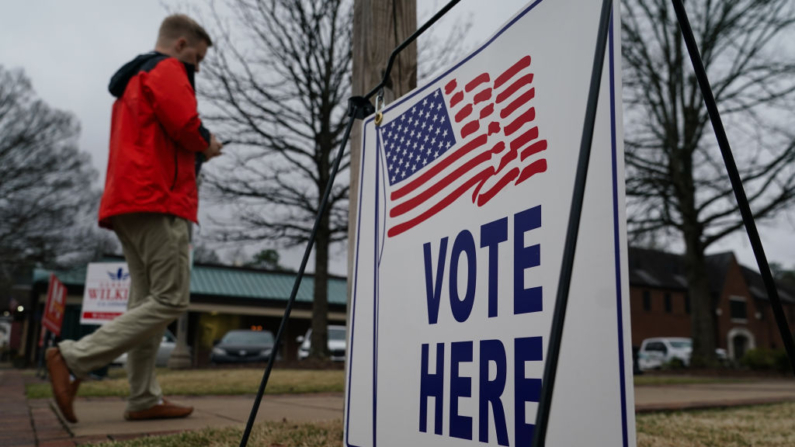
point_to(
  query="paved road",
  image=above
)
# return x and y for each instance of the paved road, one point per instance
(683, 397)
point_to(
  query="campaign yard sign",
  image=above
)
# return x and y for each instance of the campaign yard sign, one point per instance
(106, 292)
(55, 307)
(464, 200)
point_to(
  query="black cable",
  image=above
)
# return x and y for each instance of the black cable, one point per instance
(736, 181)
(296, 285)
(359, 107)
(570, 248)
(407, 42)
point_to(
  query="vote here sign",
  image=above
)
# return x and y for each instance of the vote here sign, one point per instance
(463, 205)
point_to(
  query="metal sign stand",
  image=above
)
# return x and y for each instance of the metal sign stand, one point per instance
(553, 351)
(359, 107)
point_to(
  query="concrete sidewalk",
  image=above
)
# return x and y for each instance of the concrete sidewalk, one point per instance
(101, 419)
(103, 416)
(715, 395)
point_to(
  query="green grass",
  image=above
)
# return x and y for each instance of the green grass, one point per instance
(762, 426)
(647, 380)
(210, 382)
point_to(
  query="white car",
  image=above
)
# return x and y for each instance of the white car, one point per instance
(163, 353)
(656, 352)
(336, 343)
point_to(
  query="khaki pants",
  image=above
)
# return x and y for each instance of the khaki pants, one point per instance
(156, 250)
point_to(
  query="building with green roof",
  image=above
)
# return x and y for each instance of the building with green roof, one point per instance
(223, 298)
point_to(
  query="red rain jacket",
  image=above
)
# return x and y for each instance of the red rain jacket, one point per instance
(156, 139)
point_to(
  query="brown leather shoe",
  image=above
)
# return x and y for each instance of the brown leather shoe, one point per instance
(166, 410)
(62, 389)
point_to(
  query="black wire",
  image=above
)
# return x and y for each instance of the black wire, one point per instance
(359, 107)
(736, 181)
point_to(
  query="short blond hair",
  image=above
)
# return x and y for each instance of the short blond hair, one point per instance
(180, 25)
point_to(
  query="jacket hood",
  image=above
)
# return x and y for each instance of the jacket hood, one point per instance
(122, 77)
(144, 62)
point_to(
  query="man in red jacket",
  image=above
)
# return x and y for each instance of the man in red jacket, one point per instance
(157, 143)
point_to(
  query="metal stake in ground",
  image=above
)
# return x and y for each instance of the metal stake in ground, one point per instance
(737, 183)
(570, 248)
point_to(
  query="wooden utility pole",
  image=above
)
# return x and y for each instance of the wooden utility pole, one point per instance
(378, 27)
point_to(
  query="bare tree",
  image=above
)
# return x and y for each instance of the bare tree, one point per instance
(45, 181)
(676, 182)
(278, 82)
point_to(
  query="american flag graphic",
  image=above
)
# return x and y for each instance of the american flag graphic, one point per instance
(477, 136)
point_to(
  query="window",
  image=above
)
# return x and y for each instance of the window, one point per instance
(668, 305)
(738, 309)
(687, 303)
(646, 300)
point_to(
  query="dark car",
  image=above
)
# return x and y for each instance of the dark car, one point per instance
(243, 346)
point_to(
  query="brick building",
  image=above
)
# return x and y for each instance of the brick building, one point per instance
(660, 305)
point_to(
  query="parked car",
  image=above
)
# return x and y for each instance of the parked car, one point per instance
(243, 346)
(336, 343)
(656, 352)
(167, 345)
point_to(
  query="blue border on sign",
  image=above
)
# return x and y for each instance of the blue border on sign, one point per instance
(616, 233)
(617, 241)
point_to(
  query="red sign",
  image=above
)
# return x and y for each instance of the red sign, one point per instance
(56, 306)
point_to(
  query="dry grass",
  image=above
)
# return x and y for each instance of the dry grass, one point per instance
(269, 434)
(210, 382)
(762, 426)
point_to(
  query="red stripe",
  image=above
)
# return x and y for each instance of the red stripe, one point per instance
(494, 127)
(519, 102)
(524, 118)
(441, 205)
(486, 111)
(458, 97)
(434, 189)
(485, 95)
(477, 81)
(463, 113)
(520, 141)
(450, 87)
(501, 183)
(521, 82)
(435, 169)
(535, 167)
(496, 149)
(534, 148)
(509, 73)
(470, 128)
(507, 158)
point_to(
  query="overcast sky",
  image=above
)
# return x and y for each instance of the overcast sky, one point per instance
(70, 49)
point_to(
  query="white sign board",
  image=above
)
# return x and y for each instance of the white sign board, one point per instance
(106, 292)
(464, 200)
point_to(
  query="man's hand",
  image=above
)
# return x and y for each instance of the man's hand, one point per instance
(214, 149)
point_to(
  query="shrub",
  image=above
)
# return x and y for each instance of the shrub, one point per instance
(761, 359)
(781, 361)
(675, 363)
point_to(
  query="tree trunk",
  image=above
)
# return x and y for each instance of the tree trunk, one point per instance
(374, 38)
(319, 341)
(703, 308)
